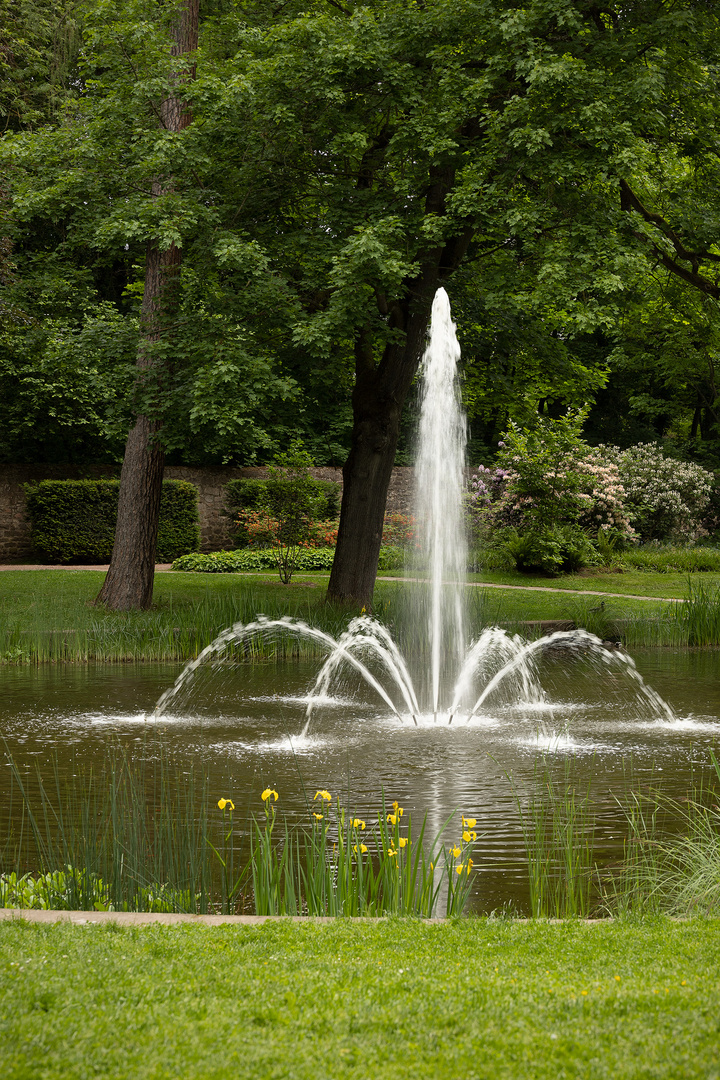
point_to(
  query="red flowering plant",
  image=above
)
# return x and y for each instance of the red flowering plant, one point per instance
(285, 518)
(398, 529)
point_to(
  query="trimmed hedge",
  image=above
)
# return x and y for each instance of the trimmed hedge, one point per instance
(247, 494)
(231, 562)
(74, 520)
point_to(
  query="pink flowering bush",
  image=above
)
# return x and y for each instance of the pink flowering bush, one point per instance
(665, 499)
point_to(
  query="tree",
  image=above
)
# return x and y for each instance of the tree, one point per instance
(344, 161)
(130, 577)
(408, 140)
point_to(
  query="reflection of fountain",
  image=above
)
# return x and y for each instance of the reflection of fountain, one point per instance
(498, 668)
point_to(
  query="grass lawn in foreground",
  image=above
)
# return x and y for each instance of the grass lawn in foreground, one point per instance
(395, 998)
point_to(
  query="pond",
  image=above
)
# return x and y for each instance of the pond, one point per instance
(241, 726)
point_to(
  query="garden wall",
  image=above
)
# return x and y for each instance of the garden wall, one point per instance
(15, 543)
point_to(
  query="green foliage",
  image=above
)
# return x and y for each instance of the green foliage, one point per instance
(340, 866)
(288, 509)
(251, 493)
(58, 890)
(392, 559)
(74, 520)
(246, 560)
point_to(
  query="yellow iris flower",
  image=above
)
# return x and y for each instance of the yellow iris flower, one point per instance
(392, 818)
(469, 835)
(325, 795)
(318, 817)
(363, 849)
(222, 803)
(455, 852)
(402, 841)
(469, 822)
(358, 823)
(267, 793)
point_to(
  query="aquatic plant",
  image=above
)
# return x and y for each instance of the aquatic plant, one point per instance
(337, 864)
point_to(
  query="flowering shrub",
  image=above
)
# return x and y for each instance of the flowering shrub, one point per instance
(603, 496)
(664, 498)
(540, 495)
(398, 529)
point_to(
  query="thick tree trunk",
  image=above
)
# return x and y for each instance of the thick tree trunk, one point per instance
(130, 577)
(378, 398)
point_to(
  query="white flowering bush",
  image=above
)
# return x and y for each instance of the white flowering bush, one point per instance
(664, 499)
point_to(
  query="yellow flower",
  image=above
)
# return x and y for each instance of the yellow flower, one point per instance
(323, 795)
(363, 849)
(468, 836)
(391, 852)
(392, 819)
(459, 869)
(358, 823)
(402, 841)
(318, 817)
(469, 822)
(455, 852)
(267, 793)
(222, 803)
(398, 808)
(469, 866)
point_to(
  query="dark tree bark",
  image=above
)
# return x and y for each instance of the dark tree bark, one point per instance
(378, 397)
(130, 577)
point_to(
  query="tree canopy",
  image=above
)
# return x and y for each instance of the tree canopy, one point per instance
(552, 162)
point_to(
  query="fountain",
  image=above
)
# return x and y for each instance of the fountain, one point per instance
(497, 668)
(438, 723)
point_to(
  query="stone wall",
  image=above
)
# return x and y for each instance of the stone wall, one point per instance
(15, 543)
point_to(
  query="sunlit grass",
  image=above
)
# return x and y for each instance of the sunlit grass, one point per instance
(400, 999)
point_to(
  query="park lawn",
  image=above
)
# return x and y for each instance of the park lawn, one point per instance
(394, 998)
(48, 615)
(628, 583)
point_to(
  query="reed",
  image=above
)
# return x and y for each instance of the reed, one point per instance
(143, 838)
(671, 858)
(336, 865)
(140, 831)
(558, 828)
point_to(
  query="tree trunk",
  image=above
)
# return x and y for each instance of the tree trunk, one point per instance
(130, 577)
(377, 400)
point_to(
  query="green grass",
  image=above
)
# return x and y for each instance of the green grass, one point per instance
(398, 999)
(48, 616)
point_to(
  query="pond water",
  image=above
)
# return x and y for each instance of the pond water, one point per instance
(241, 726)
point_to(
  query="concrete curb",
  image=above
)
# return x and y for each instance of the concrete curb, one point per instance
(144, 918)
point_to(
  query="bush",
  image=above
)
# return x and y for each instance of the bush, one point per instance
(261, 559)
(252, 494)
(665, 499)
(74, 520)
(319, 558)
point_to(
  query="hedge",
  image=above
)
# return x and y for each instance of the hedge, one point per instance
(74, 520)
(231, 562)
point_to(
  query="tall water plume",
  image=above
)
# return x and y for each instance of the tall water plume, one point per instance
(442, 440)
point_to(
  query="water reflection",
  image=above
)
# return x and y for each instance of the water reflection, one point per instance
(246, 737)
